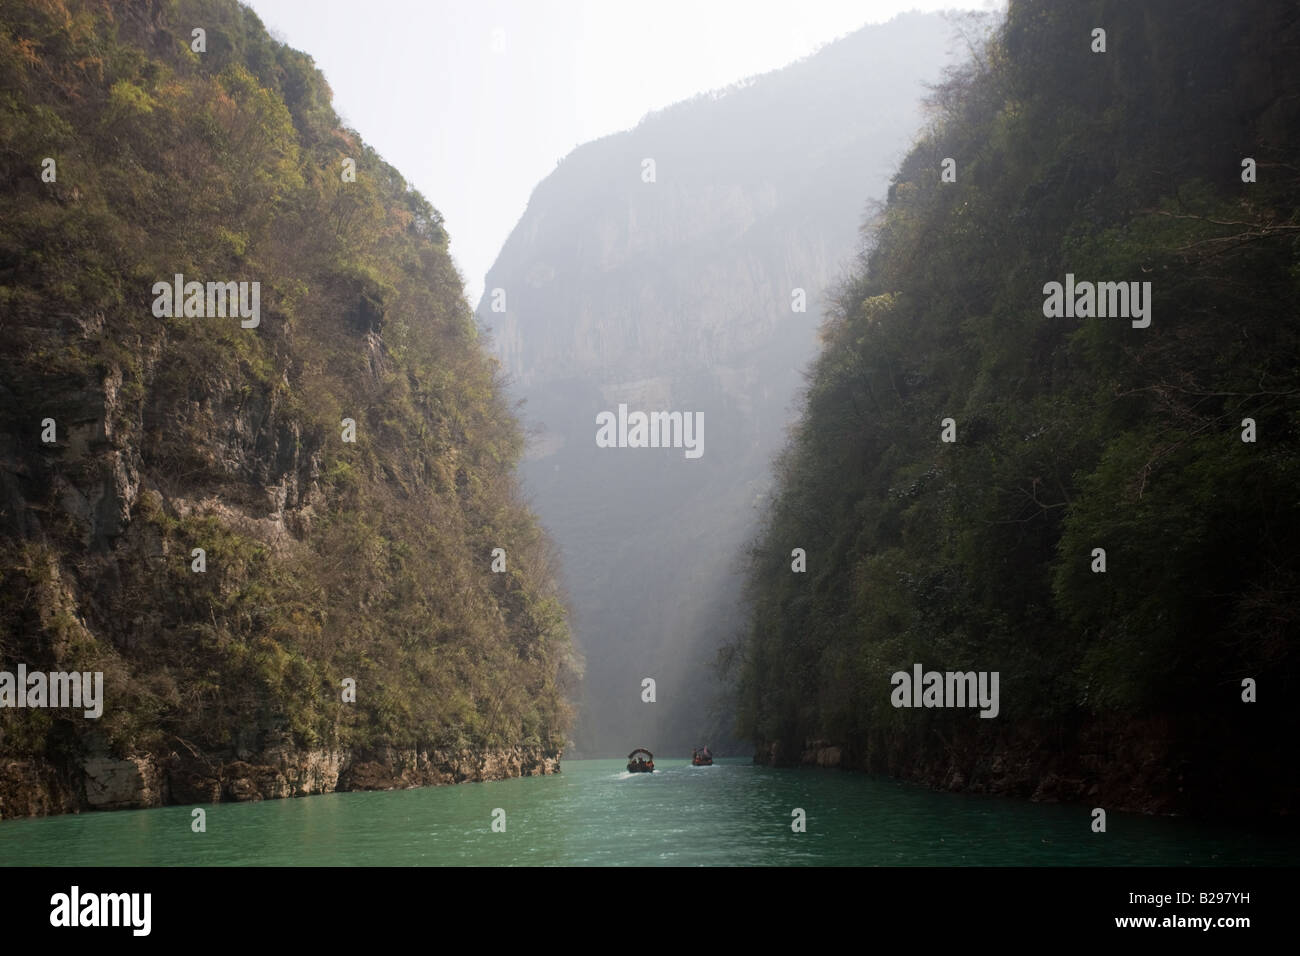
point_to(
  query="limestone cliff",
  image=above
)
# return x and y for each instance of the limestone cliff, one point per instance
(694, 284)
(34, 787)
(272, 531)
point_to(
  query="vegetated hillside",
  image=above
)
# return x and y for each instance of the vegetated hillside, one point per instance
(1124, 688)
(325, 559)
(678, 294)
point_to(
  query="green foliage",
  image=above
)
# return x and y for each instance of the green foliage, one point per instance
(325, 560)
(1072, 433)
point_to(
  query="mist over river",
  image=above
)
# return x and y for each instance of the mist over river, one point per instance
(594, 813)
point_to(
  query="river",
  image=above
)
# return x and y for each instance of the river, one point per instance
(594, 813)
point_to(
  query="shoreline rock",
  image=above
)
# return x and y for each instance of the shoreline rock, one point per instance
(1135, 767)
(35, 787)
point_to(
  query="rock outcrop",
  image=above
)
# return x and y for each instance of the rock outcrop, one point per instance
(270, 539)
(1137, 766)
(33, 788)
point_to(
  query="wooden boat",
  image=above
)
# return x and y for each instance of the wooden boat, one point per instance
(701, 758)
(636, 764)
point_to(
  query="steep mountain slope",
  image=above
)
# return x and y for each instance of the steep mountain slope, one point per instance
(1114, 529)
(672, 288)
(344, 626)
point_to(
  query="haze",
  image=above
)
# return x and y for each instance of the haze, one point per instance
(476, 102)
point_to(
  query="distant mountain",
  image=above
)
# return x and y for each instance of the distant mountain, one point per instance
(657, 269)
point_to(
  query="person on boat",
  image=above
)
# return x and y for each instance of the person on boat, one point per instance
(705, 752)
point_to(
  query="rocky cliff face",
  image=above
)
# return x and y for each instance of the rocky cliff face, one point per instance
(1137, 766)
(274, 540)
(35, 788)
(961, 476)
(695, 284)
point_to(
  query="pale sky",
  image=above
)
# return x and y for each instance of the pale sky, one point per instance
(474, 101)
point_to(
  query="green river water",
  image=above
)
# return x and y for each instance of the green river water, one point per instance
(594, 813)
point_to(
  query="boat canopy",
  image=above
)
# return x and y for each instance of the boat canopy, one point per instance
(640, 750)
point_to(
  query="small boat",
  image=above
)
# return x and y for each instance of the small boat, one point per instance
(637, 764)
(701, 757)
